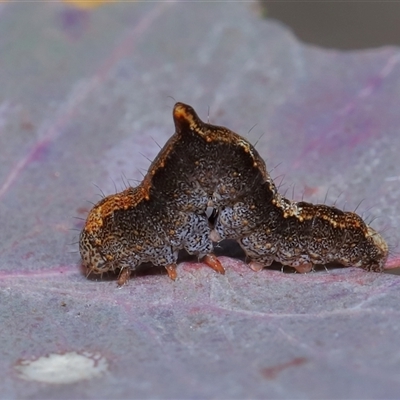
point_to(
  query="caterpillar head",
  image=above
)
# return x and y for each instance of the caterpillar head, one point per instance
(376, 251)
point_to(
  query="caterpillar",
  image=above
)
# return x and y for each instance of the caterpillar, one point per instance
(167, 211)
(203, 166)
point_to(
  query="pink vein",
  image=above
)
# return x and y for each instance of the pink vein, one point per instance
(124, 48)
(66, 270)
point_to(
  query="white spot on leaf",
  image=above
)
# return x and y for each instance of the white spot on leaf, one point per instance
(63, 368)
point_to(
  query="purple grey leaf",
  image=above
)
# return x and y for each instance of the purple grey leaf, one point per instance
(83, 94)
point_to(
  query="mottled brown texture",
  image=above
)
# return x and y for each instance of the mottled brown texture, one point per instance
(203, 166)
(167, 211)
(306, 235)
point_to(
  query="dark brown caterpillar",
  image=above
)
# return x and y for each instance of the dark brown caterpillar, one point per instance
(202, 166)
(302, 235)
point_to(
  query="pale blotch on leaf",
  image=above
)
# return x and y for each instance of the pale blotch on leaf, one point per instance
(62, 368)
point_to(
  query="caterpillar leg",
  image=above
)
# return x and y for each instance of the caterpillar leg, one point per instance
(256, 266)
(303, 268)
(124, 276)
(212, 261)
(171, 271)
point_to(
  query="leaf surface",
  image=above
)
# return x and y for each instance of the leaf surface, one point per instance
(85, 94)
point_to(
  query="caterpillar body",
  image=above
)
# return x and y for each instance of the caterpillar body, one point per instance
(203, 166)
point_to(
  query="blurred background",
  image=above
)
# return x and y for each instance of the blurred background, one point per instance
(341, 25)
